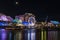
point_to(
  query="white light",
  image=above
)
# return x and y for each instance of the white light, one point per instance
(31, 24)
(16, 2)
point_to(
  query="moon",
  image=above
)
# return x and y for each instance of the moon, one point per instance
(16, 2)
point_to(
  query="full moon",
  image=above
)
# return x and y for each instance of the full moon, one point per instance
(16, 2)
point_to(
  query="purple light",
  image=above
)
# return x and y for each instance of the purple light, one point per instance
(32, 36)
(9, 18)
(2, 29)
(52, 35)
(4, 18)
(3, 33)
(4, 36)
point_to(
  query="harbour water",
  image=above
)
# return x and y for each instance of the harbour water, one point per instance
(29, 34)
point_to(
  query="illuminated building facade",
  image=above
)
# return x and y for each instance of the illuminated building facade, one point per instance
(30, 28)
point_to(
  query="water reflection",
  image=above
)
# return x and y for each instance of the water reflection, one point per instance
(52, 35)
(30, 34)
(3, 34)
(18, 35)
(6, 34)
(9, 35)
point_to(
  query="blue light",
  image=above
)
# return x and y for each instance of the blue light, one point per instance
(55, 22)
(25, 23)
(3, 24)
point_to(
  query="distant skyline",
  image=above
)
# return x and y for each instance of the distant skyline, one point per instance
(39, 8)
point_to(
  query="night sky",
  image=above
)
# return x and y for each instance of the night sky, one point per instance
(40, 8)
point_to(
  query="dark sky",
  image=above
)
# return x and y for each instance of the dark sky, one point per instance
(40, 8)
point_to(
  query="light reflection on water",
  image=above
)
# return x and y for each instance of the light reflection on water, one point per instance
(52, 35)
(3, 34)
(18, 35)
(30, 34)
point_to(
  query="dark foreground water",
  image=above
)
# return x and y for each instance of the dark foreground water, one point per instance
(6, 34)
(29, 34)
